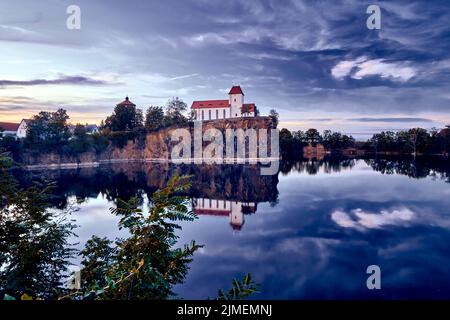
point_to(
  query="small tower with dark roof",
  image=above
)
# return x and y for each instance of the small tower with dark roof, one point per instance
(127, 103)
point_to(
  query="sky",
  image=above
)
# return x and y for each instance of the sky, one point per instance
(315, 62)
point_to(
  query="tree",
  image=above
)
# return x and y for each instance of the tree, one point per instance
(275, 116)
(418, 138)
(154, 118)
(313, 137)
(81, 141)
(174, 112)
(125, 118)
(48, 128)
(80, 131)
(144, 265)
(34, 247)
(192, 116)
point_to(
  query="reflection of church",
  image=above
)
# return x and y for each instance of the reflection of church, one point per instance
(235, 210)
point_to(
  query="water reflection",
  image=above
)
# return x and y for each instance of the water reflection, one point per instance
(309, 232)
(234, 210)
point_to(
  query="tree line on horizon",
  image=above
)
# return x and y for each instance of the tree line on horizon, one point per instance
(414, 141)
(49, 131)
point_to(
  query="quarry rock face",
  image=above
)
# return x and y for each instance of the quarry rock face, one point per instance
(157, 145)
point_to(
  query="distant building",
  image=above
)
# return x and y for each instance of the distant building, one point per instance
(23, 127)
(90, 128)
(234, 107)
(9, 129)
(126, 102)
(235, 210)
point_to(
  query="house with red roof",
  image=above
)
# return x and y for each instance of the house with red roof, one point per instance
(18, 130)
(8, 128)
(233, 107)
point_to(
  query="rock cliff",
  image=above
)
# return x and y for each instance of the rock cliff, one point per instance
(157, 146)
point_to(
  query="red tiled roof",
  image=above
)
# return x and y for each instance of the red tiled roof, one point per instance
(210, 104)
(126, 102)
(212, 212)
(236, 90)
(9, 126)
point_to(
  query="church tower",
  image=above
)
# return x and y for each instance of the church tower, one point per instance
(236, 101)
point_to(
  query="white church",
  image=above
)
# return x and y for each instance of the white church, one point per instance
(234, 107)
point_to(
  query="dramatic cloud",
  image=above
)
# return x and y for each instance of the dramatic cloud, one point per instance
(71, 80)
(309, 60)
(363, 67)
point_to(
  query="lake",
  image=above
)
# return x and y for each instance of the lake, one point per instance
(309, 232)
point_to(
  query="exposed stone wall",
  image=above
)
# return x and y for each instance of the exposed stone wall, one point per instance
(158, 145)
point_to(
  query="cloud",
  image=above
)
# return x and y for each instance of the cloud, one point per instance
(400, 120)
(70, 80)
(344, 68)
(360, 220)
(384, 70)
(16, 29)
(363, 67)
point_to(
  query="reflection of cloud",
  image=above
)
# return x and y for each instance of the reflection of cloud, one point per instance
(365, 220)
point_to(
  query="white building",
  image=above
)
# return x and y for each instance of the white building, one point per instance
(234, 107)
(90, 128)
(8, 129)
(235, 210)
(22, 130)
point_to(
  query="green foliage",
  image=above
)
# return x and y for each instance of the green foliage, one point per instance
(413, 141)
(34, 250)
(174, 112)
(124, 118)
(275, 116)
(336, 140)
(240, 290)
(313, 137)
(98, 256)
(292, 143)
(48, 129)
(12, 146)
(145, 265)
(154, 118)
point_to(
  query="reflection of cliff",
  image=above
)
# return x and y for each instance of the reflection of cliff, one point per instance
(235, 210)
(242, 183)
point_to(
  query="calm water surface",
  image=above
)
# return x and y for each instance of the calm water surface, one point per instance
(309, 232)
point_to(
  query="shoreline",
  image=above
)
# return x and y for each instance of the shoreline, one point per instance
(189, 161)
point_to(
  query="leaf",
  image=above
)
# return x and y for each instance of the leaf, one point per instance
(25, 297)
